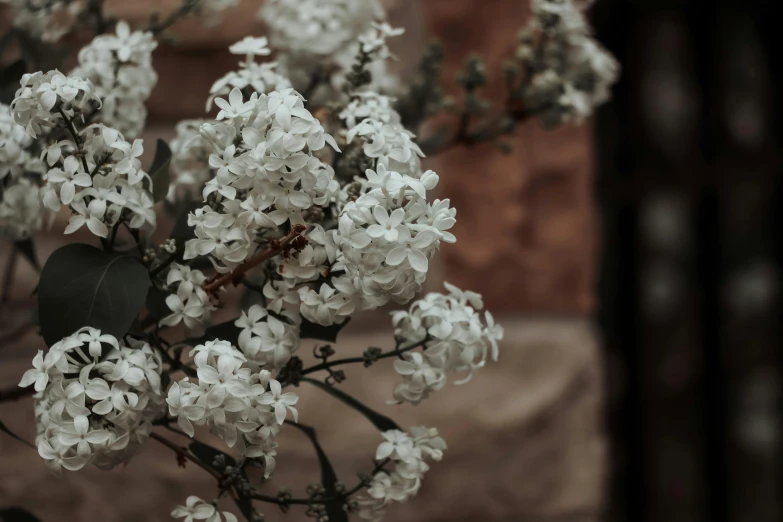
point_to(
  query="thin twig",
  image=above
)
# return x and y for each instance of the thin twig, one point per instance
(350, 360)
(77, 140)
(277, 246)
(187, 7)
(183, 453)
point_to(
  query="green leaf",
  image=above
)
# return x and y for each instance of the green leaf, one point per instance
(224, 331)
(156, 302)
(308, 330)
(83, 286)
(381, 422)
(15, 514)
(159, 171)
(334, 510)
(26, 247)
(7, 430)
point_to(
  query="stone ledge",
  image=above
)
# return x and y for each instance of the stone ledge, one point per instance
(534, 448)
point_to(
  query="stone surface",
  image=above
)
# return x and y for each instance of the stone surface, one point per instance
(525, 441)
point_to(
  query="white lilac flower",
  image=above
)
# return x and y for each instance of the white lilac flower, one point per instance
(245, 409)
(266, 341)
(120, 67)
(369, 105)
(16, 157)
(189, 161)
(266, 174)
(408, 453)
(47, 20)
(318, 27)
(384, 241)
(252, 76)
(21, 212)
(188, 302)
(211, 11)
(453, 339)
(385, 139)
(197, 509)
(573, 72)
(95, 399)
(42, 95)
(98, 173)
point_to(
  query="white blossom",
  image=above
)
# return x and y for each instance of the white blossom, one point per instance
(188, 302)
(48, 20)
(453, 339)
(245, 409)
(408, 453)
(267, 341)
(120, 67)
(196, 509)
(318, 27)
(95, 399)
(252, 76)
(573, 72)
(266, 174)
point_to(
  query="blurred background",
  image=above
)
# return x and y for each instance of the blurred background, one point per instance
(634, 262)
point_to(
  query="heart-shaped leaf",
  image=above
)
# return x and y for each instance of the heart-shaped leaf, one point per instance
(159, 171)
(81, 285)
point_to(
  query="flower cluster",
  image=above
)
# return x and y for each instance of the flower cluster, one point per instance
(251, 76)
(388, 234)
(573, 73)
(318, 27)
(16, 157)
(197, 509)
(369, 105)
(266, 174)
(244, 409)
(211, 11)
(120, 67)
(95, 400)
(384, 138)
(20, 168)
(453, 337)
(189, 303)
(189, 161)
(96, 172)
(45, 97)
(266, 341)
(408, 452)
(48, 20)
(20, 210)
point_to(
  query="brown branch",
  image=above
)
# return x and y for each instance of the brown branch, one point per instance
(187, 7)
(183, 453)
(277, 246)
